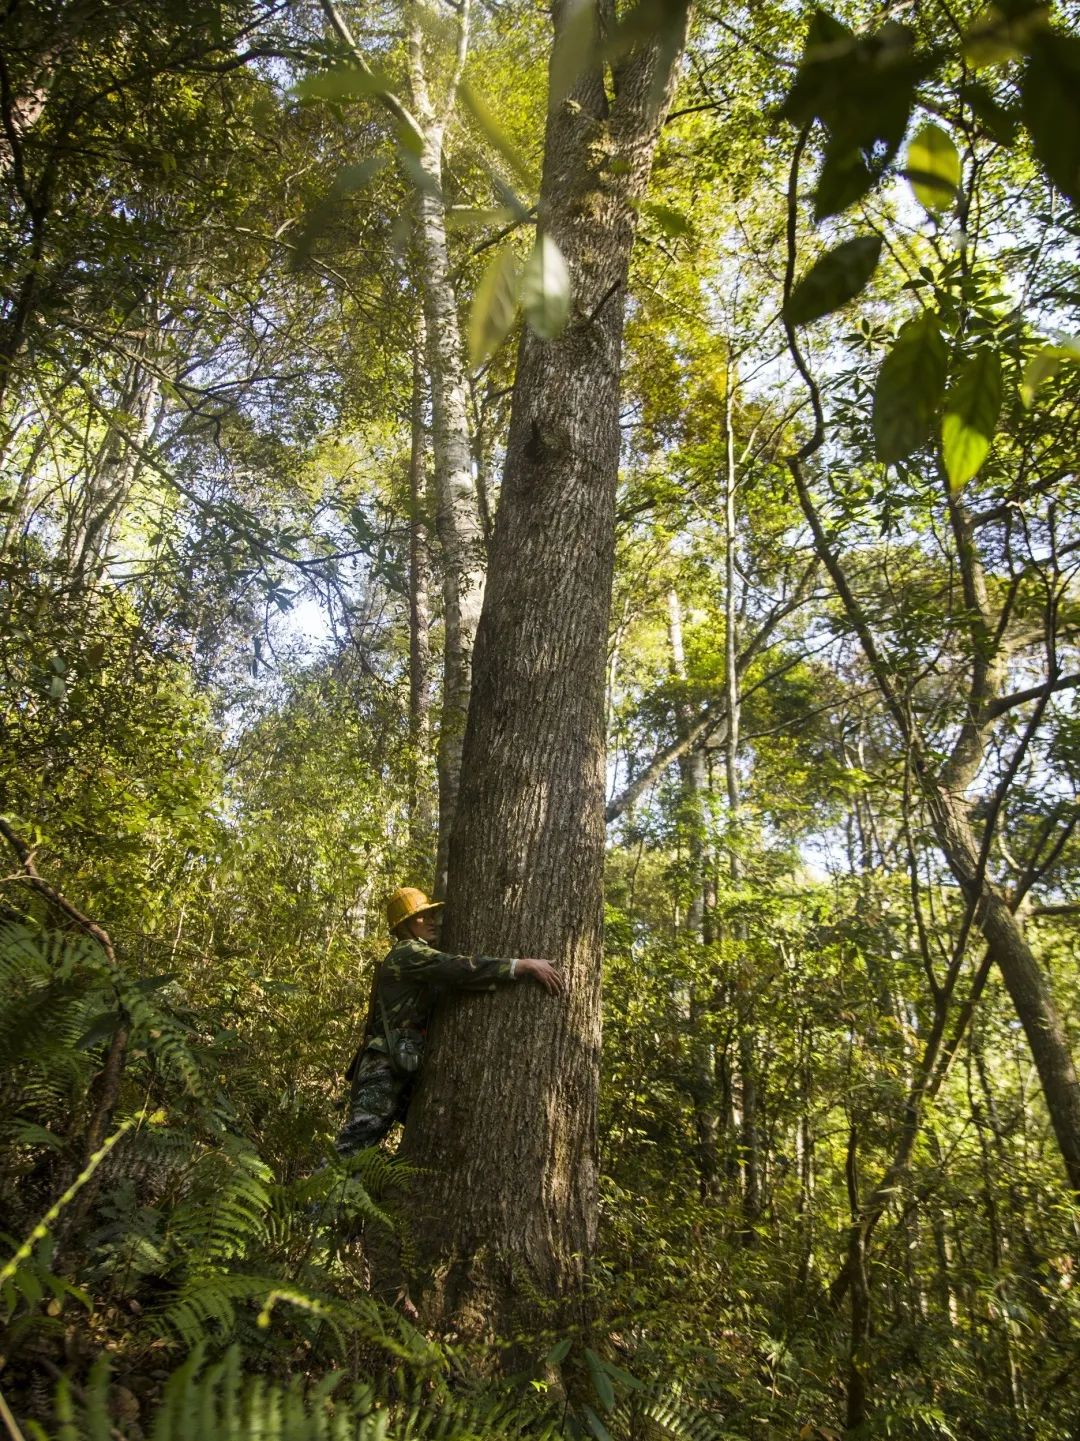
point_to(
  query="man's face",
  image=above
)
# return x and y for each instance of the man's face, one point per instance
(426, 927)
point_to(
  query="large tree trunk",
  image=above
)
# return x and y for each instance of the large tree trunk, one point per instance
(505, 1119)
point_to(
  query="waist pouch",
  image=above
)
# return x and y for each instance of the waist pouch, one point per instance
(405, 1048)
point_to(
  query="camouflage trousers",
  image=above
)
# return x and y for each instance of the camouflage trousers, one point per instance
(379, 1097)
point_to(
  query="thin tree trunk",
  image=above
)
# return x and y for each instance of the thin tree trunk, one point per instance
(504, 1122)
(420, 819)
(855, 1416)
(749, 1144)
(107, 490)
(457, 512)
(694, 771)
(943, 788)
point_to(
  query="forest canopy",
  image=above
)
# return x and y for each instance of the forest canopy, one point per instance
(612, 467)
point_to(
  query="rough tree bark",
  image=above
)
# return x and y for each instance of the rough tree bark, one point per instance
(504, 1122)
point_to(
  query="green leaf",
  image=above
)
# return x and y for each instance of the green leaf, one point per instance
(999, 121)
(833, 280)
(829, 44)
(29, 1133)
(341, 84)
(100, 1029)
(972, 407)
(1045, 364)
(605, 1391)
(494, 306)
(845, 178)
(497, 137)
(155, 983)
(467, 217)
(595, 1425)
(557, 1355)
(933, 168)
(322, 215)
(996, 38)
(909, 389)
(575, 45)
(544, 290)
(672, 222)
(1051, 108)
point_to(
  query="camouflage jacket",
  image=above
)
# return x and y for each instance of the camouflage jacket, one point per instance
(411, 979)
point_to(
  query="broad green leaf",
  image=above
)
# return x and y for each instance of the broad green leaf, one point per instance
(1045, 364)
(1000, 122)
(933, 168)
(833, 280)
(496, 135)
(1051, 108)
(829, 44)
(494, 306)
(155, 983)
(909, 389)
(557, 1355)
(465, 217)
(672, 222)
(595, 1425)
(972, 407)
(605, 1391)
(575, 45)
(845, 178)
(101, 1028)
(996, 37)
(544, 289)
(342, 84)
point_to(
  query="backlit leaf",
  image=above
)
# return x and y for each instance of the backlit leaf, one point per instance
(495, 134)
(972, 407)
(672, 222)
(544, 290)
(909, 389)
(465, 217)
(1045, 364)
(933, 168)
(342, 84)
(833, 280)
(494, 306)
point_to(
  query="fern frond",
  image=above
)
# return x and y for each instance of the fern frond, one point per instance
(223, 1214)
(220, 1403)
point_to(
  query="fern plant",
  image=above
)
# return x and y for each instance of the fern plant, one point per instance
(218, 1401)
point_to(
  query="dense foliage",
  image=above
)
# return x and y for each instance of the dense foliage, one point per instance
(838, 1195)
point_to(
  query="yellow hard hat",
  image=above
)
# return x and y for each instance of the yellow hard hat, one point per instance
(407, 901)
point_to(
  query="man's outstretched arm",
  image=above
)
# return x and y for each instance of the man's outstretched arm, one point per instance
(416, 960)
